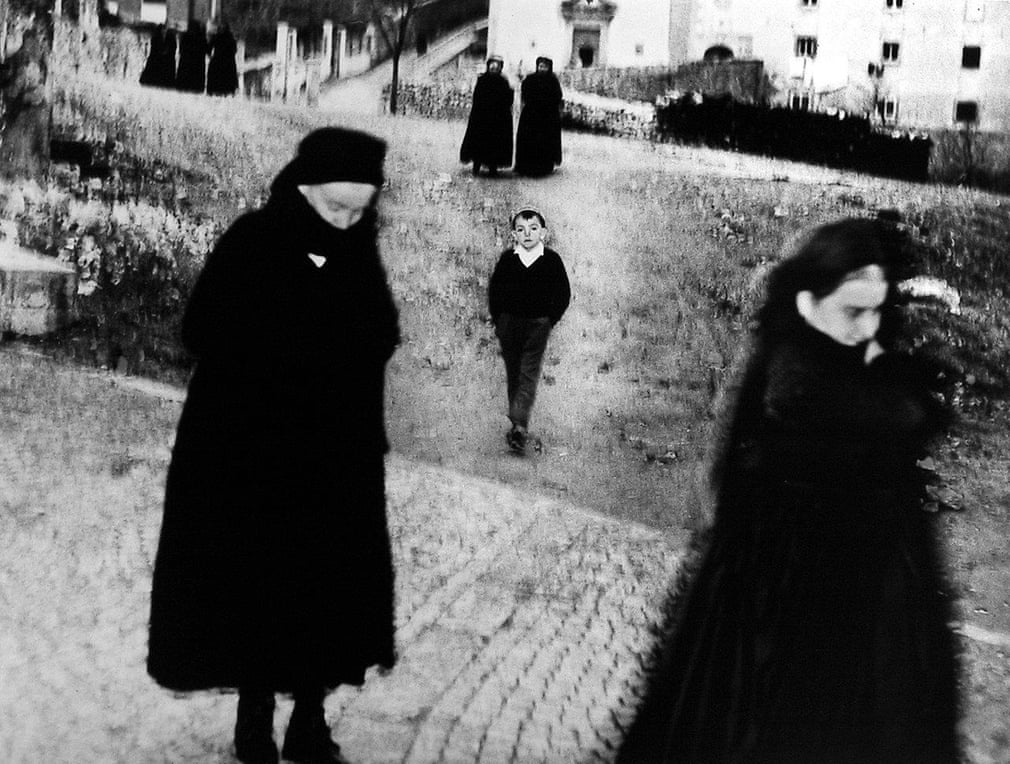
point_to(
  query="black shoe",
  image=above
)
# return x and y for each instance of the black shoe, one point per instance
(516, 439)
(308, 740)
(476, 169)
(254, 729)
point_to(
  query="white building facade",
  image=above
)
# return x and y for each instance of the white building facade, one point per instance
(580, 32)
(917, 63)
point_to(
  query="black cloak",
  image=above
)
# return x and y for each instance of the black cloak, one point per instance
(222, 72)
(488, 137)
(538, 137)
(159, 70)
(191, 73)
(815, 629)
(273, 568)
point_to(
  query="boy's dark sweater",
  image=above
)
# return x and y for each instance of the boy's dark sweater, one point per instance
(540, 290)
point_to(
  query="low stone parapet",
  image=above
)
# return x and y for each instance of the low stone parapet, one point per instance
(36, 292)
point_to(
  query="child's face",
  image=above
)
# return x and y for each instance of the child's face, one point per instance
(528, 232)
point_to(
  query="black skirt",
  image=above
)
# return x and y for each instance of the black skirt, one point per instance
(815, 630)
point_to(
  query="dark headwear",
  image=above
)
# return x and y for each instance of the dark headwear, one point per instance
(333, 154)
(497, 59)
(527, 212)
(545, 60)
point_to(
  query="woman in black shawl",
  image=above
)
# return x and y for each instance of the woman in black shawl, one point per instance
(222, 71)
(815, 629)
(273, 571)
(191, 74)
(488, 138)
(538, 137)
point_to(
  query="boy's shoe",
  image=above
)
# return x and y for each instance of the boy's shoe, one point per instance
(516, 439)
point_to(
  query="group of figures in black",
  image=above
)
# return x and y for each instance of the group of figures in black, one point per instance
(181, 62)
(488, 143)
(814, 627)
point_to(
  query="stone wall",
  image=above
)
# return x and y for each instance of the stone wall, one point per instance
(743, 80)
(116, 52)
(580, 111)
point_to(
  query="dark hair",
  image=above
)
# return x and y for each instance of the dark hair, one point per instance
(823, 261)
(527, 213)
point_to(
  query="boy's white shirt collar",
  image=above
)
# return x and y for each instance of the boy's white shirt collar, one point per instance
(529, 256)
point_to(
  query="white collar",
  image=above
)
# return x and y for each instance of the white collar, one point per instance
(318, 260)
(529, 256)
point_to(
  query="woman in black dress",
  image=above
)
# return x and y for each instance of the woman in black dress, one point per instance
(222, 71)
(273, 572)
(487, 141)
(538, 137)
(815, 629)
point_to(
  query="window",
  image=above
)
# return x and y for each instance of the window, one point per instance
(808, 3)
(889, 53)
(806, 47)
(887, 108)
(893, 5)
(966, 111)
(799, 101)
(971, 57)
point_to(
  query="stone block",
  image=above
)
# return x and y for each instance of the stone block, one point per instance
(36, 292)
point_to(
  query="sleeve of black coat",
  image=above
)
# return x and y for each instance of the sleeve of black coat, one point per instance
(494, 291)
(562, 292)
(228, 307)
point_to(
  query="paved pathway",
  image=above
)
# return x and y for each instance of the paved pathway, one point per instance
(521, 621)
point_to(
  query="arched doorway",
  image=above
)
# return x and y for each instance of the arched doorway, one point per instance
(718, 54)
(585, 47)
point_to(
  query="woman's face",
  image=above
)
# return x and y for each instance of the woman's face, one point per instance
(849, 315)
(340, 203)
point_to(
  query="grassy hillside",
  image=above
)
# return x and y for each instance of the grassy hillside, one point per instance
(666, 247)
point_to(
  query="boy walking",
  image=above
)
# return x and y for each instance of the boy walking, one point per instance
(527, 295)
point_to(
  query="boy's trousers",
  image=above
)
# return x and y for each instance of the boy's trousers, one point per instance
(523, 341)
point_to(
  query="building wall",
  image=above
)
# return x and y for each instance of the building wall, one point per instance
(925, 82)
(923, 85)
(521, 30)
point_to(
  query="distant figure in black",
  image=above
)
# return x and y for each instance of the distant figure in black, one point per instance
(815, 629)
(159, 70)
(538, 138)
(191, 75)
(488, 138)
(222, 72)
(273, 572)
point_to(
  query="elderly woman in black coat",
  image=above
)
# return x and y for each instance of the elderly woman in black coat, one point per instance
(538, 137)
(487, 141)
(273, 571)
(815, 629)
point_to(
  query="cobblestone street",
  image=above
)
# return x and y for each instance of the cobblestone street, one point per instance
(521, 623)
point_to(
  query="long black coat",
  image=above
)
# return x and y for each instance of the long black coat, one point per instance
(815, 628)
(488, 137)
(222, 72)
(191, 74)
(538, 137)
(159, 70)
(273, 567)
